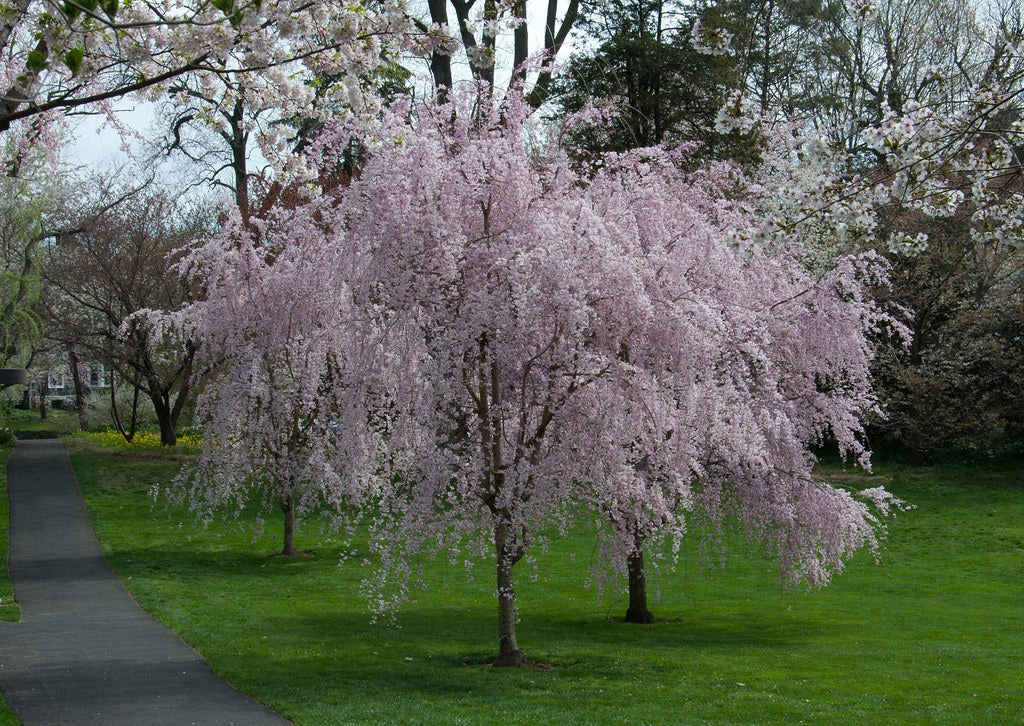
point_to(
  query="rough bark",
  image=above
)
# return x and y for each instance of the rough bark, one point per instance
(168, 435)
(440, 63)
(129, 433)
(76, 378)
(238, 141)
(44, 391)
(288, 507)
(114, 415)
(637, 612)
(509, 654)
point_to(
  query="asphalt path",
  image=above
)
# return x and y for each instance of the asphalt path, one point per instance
(84, 651)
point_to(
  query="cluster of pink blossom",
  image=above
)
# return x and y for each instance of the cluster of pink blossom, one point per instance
(286, 357)
(478, 345)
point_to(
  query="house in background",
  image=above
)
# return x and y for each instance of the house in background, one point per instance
(58, 388)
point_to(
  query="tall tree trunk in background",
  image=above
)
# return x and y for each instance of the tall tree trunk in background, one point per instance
(168, 436)
(76, 378)
(164, 415)
(440, 63)
(133, 426)
(238, 140)
(129, 432)
(114, 415)
(44, 391)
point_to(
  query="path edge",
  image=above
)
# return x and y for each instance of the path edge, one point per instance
(124, 587)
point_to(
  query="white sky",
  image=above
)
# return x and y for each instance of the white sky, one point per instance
(96, 145)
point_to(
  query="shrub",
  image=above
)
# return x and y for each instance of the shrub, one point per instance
(111, 439)
(98, 411)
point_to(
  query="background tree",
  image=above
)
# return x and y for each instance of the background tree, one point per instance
(957, 386)
(54, 58)
(24, 223)
(248, 133)
(118, 261)
(282, 343)
(642, 64)
(776, 45)
(479, 29)
(916, 134)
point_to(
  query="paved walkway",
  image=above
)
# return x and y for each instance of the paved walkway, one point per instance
(84, 652)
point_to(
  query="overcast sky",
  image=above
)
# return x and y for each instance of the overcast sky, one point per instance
(96, 145)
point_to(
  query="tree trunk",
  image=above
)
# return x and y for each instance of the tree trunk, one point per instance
(168, 437)
(239, 142)
(165, 417)
(509, 654)
(76, 378)
(44, 391)
(133, 425)
(440, 63)
(637, 611)
(129, 433)
(288, 507)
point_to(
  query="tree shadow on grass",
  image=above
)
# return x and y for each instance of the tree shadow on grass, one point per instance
(293, 632)
(691, 630)
(465, 610)
(443, 656)
(207, 562)
(465, 637)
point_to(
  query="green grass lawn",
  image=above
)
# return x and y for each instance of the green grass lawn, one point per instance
(56, 421)
(7, 717)
(8, 609)
(934, 634)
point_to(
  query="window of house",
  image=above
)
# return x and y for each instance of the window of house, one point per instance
(97, 376)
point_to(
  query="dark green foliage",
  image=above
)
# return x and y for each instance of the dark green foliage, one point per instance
(663, 91)
(780, 47)
(961, 382)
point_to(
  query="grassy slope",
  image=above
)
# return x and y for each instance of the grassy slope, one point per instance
(8, 609)
(934, 634)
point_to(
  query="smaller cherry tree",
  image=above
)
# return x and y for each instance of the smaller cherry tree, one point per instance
(735, 361)
(273, 413)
